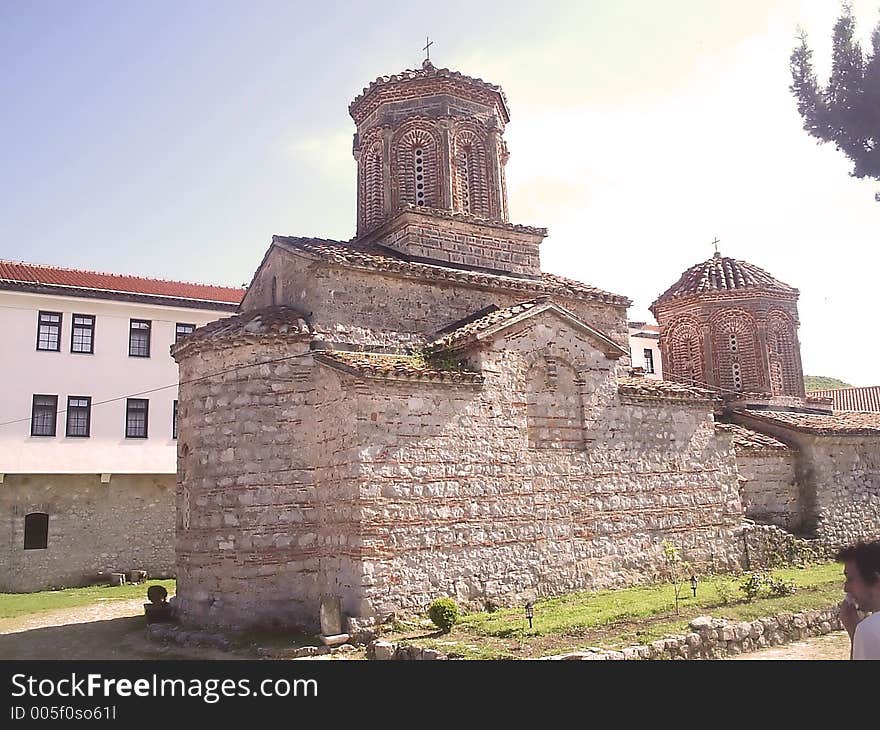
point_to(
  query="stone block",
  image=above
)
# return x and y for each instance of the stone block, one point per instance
(331, 616)
(334, 640)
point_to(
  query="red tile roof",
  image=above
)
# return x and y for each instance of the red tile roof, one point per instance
(850, 424)
(747, 439)
(641, 387)
(852, 399)
(38, 277)
(385, 366)
(427, 71)
(720, 274)
(268, 322)
(492, 321)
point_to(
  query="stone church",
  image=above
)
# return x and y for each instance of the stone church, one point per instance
(421, 411)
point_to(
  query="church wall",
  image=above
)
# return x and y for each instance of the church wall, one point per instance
(127, 524)
(768, 487)
(382, 310)
(265, 496)
(839, 478)
(470, 510)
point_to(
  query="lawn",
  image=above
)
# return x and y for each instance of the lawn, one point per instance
(19, 604)
(618, 618)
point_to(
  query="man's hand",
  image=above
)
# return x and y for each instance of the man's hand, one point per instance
(849, 617)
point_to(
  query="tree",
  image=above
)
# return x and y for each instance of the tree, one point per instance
(847, 110)
(676, 571)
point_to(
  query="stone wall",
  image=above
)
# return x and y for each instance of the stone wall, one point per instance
(265, 478)
(120, 526)
(768, 487)
(839, 482)
(383, 310)
(468, 509)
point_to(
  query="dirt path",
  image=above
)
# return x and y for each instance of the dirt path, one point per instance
(104, 630)
(830, 646)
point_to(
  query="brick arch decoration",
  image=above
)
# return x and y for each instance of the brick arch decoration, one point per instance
(408, 138)
(783, 365)
(471, 174)
(744, 356)
(371, 182)
(683, 348)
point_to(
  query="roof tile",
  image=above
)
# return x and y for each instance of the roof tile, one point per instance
(17, 274)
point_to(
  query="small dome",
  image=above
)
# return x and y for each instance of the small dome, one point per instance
(720, 274)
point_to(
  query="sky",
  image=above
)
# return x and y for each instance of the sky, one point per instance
(173, 139)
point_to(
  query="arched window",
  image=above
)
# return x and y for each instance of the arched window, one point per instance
(415, 157)
(420, 174)
(373, 186)
(736, 349)
(782, 356)
(36, 531)
(554, 409)
(471, 182)
(685, 354)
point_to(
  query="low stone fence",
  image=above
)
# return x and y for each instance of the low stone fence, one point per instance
(709, 638)
(714, 638)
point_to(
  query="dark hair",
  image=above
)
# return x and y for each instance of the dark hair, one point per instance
(866, 556)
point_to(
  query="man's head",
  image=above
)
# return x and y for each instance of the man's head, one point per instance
(862, 570)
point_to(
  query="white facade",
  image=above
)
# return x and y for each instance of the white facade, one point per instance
(644, 345)
(108, 376)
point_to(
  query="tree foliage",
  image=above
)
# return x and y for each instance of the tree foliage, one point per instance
(846, 111)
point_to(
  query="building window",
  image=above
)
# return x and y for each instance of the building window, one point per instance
(82, 333)
(43, 412)
(49, 331)
(182, 330)
(139, 338)
(79, 415)
(737, 377)
(36, 531)
(649, 360)
(136, 411)
(174, 421)
(420, 176)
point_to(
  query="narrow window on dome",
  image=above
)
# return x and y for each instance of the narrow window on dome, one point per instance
(733, 344)
(737, 377)
(419, 159)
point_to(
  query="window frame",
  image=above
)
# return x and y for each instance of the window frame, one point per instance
(177, 326)
(648, 355)
(44, 531)
(132, 329)
(128, 403)
(60, 324)
(90, 327)
(88, 409)
(54, 413)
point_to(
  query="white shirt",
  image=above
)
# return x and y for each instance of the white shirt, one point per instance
(866, 640)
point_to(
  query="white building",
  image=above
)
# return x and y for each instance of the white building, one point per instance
(644, 345)
(87, 405)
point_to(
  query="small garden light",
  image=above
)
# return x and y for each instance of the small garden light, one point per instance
(530, 613)
(694, 585)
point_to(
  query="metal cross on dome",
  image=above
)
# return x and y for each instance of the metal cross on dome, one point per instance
(427, 48)
(715, 243)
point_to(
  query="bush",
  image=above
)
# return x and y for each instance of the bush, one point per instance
(752, 585)
(780, 586)
(444, 613)
(725, 592)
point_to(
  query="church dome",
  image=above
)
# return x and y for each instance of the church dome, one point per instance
(415, 82)
(722, 274)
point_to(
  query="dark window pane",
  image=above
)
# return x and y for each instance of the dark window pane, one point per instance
(36, 531)
(174, 421)
(136, 418)
(82, 333)
(43, 415)
(78, 415)
(49, 331)
(181, 330)
(139, 338)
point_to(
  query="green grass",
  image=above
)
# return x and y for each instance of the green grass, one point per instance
(638, 615)
(20, 604)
